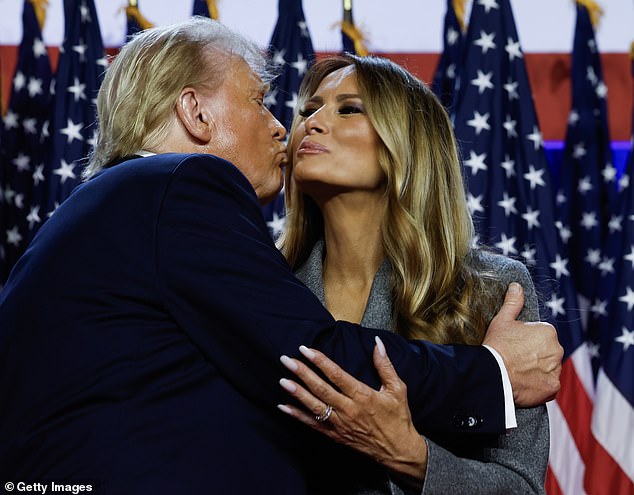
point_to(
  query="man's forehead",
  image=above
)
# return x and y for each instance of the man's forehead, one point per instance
(252, 81)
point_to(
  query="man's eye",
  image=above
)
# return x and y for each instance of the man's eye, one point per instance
(349, 109)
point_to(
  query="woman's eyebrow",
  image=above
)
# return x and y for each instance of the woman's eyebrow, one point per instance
(347, 96)
(339, 97)
(315, 99)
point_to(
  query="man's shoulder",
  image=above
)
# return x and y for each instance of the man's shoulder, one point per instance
(169, 163)
(166, 167)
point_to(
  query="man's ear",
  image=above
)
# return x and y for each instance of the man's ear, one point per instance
(194, 115)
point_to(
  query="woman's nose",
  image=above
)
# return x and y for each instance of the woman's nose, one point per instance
(315, 123)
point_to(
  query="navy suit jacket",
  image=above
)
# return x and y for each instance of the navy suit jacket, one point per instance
(140, 337)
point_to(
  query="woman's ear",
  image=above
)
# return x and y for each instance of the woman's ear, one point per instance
(194, 115)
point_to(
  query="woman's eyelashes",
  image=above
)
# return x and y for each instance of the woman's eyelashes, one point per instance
(349, 109)
(344, 109)
(307, 111)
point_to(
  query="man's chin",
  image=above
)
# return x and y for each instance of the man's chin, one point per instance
(267, 197)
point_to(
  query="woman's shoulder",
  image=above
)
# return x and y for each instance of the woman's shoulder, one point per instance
(502, 270)
(487, 261)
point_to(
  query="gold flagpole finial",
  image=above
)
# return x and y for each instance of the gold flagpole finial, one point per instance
(594, 10)
(40, 7)
(213, 10)
(458, 8)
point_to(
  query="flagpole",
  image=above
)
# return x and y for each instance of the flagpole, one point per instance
(347, 11)
(213, 9)
(351, 31)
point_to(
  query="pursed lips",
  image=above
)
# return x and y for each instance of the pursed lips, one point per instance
(281, 158)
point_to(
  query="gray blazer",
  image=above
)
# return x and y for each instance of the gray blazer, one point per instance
(511, 464)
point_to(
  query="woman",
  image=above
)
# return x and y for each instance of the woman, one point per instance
(378, 228)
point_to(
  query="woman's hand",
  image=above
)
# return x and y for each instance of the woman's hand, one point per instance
(376, 423)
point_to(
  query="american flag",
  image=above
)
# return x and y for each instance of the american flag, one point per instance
(80, 71)
(444, 82)
(291, 54)
(510, 190)
(587, 176)
(206, 8)
(612, 454)
(587, 221)
(21, 168)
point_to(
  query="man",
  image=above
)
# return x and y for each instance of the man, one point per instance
(140, 333)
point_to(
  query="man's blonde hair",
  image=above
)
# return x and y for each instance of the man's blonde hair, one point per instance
(427, 230)
(141, 86)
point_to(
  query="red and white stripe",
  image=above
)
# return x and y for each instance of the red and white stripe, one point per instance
(588, 453)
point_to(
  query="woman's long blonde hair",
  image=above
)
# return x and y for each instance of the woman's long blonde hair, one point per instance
(427, 230)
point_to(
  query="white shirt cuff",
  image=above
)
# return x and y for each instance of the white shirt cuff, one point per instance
(509, 405)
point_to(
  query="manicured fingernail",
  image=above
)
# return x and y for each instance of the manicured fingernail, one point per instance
(288, 385)
(380, 346)
(308, 353)
(289, 363)
(514, 288)
(285, 409)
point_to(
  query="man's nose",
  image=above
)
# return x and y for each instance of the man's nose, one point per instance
(278, 131)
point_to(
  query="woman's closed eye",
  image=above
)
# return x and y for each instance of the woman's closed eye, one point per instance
(350, 109)
(344, 109)
(307, 111)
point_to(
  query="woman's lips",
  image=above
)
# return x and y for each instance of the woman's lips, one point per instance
(311, 148)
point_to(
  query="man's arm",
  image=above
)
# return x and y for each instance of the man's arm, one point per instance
(378, 423)
(532, 355)
(235, 296)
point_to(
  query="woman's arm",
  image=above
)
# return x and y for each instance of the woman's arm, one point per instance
(517, 461)
(515, 464)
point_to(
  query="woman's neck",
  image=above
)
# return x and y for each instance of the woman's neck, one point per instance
(354, 252)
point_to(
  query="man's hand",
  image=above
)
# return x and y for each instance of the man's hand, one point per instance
(531, 352)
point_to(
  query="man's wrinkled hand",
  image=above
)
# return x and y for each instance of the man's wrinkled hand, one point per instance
(530, 350)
